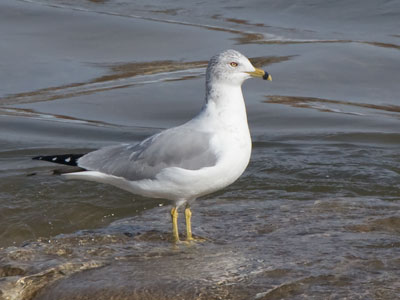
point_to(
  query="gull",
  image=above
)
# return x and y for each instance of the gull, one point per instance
(183, 163)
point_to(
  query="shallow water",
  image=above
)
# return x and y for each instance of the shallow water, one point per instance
(316, 214)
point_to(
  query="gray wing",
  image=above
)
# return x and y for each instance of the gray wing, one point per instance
(175, 147)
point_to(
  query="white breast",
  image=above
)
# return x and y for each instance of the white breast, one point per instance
(231, 142)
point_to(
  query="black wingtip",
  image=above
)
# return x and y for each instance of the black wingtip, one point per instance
(64, 159)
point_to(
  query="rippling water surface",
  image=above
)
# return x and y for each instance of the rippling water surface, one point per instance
(316, 214)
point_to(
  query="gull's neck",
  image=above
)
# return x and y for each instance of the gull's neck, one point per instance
(225, 99)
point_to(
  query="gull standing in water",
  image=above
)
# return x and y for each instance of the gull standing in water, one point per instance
(180, 164)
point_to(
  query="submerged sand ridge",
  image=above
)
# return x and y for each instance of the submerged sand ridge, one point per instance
(123, 75)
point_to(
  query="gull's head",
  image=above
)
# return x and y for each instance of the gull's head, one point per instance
(232, 67)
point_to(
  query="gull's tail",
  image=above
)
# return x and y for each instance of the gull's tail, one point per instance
(64, 159)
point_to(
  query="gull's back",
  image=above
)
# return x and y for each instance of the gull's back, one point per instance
(180, 147)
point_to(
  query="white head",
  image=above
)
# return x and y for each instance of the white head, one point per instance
(232, 67)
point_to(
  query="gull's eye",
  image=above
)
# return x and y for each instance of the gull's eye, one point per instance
(234, 64)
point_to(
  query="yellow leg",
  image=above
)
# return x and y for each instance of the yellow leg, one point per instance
(188, 216)
(174, 216)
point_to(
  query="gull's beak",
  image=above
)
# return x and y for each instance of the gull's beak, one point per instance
(260, 73)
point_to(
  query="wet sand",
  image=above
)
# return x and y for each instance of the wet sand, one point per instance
(316, 214)
(267, 252)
